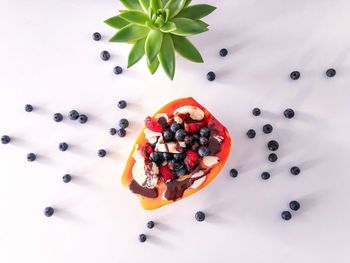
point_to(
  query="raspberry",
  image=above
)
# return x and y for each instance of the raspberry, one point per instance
(146, 150)
(153, 125)
(166, 173)
(193, 127)
(192, 159)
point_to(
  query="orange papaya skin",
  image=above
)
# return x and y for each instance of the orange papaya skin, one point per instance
(154, 203)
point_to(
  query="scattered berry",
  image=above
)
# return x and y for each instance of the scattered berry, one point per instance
(31, 157)
(150, 224)
(256, 112)
(105, 55)
(211, 76)
(153, 125)
(203, 151)
(121, 132)
(331, 72)
(73, 115)
(28, 108)
(267, 128)
(67, 178)
(251, 133)
(96, 36)
(295, 170)
(295, 75)
(123, 123)
(57, 117)
(122, 104)
(5, 139)
(223, 52)
(112, 131)
(265, 175)
(83, 118)
(142, 238)
(200, 216)
(294, 205)
(101, 153)
(286, 215)
(118, 70)
(273, 145)
(63, 146)
(49, 211)
(180, 135)
(289, 113)
(233, 172)
(272, 157)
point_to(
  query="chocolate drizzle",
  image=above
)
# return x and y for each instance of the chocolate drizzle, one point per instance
(214, 146)
(138, 189)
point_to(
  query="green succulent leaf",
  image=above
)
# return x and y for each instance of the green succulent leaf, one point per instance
(159, 22)
(135, 17)
(174, 6)
(131, 4)
(166, 56)
(153, 66)
(130, 33)
(202, 23)
(188, 2)
(116, 22)
(153, 44)
(196, 12)
(188, 27)
(186, 49)
(137, 52)
(168, 27)
(145, 5)
(156, 4)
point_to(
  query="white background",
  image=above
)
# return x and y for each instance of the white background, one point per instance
(48, 59)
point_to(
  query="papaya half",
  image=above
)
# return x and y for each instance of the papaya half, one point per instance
(181, 149)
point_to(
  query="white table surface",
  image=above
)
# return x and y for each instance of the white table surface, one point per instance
(48, 59)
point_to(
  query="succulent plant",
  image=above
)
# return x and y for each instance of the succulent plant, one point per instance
(158, 28)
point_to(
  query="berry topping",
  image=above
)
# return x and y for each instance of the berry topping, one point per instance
(286, 215)
(96, 36)
(203, 151)
(73, 115)
(265, 175)
(49, 211)
(142, 238)
(200, 216)
(294, 205)
(192, 158)
(167, 156)
(174, 127)
(256, 112)
(251, 133)
(267, 128)
(28, 108)
(105, 55)
(156, 157)
(150, 224)
(179, 156)
(203, 141)
(146, 150)
(195, 146)
(67, 178)
(273, 145)
(165, 173)
(193, 127)
(168, 135)
(233, 173)
(331, 72)
(204, 132)
(188, 140)
(211, 76)
(122, 104)
(223, 52)
(183, 171)
(295, 170)
(5, 139)
(118, 70)
(272, 157)
(289, 113)
(175, 165)
(153, 125)
(295, 75)
(180, 135)
(83, 118)
(123, 123)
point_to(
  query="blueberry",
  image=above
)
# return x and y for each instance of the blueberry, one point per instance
(101, 153)
(289, 113)
(272, 157)
(175, 165)
(123, 123)
(118, 70)
(122, 104)
(211, 76)
(150, 224)
(168, 135)
(200, 216)
(83, 118)
(294, 205)
(256, 112)
(295, 75)
(180, 135)
(31, 157)
(121, 132)
(96, 36)
(112, 131)
(251, 133)
(63, 146)
(331, 72)
(204, 132)
(142, 238)
(223, 52)
(195, 146)
(5, 139)
(73, 115)
(67, 178)
(156, 157)
(203, 151)
(105, 55)
(188, 140)
(286, 215)
(174, 127)
(203, 141)
(28, 108)
(183, 171)
(295, 170)
(179, 156)
(49, 211)
(265, 175)
(233, 172)
(267, 128)
(167, 156)
(273, 145)
(195, 137)
(57, 117)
